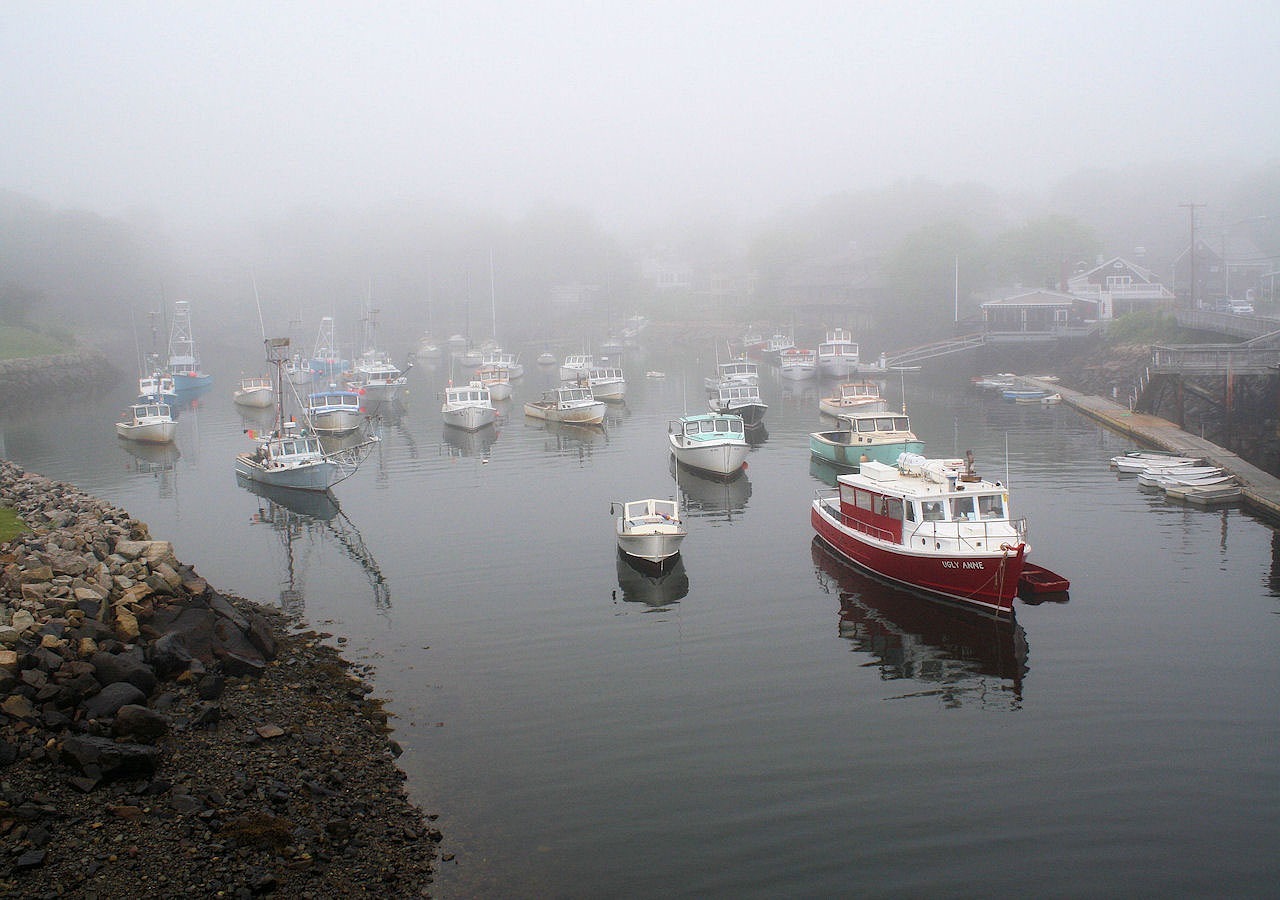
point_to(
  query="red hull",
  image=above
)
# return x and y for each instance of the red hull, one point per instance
(987, 582)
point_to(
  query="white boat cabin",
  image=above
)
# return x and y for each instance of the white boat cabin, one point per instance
(876, 423)
(472, 394)
(941, 507)
(707, 427)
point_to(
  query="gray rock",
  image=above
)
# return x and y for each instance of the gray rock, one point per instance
(108, 701)
(108, 759)
(111, 668)
(140, 724)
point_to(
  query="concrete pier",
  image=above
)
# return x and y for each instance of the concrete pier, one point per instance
(1260, 491)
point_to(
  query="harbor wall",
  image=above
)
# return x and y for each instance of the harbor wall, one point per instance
(50, 374)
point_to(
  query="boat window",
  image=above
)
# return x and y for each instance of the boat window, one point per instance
(735, 426)
(891, 507)
(910, 511)
(901, 423)
(991, 506)
(690, 427)
(962, 508)
(665, 508)
(865, 500)
(932, 511)
(866, 425)
(885, 424)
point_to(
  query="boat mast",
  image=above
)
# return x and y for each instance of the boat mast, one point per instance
(277, 352)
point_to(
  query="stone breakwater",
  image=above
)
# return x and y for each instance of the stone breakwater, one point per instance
(160, 738)
(49, 374)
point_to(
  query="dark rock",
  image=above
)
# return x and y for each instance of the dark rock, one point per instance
(140, 724)
(31, 859)
(107, 701)
(110, 759)
(111, 669)
(210, 687)
(83, 784)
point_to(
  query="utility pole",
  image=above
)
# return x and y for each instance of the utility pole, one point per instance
(1192, 207)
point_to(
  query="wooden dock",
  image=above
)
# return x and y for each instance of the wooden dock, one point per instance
(1259, 490)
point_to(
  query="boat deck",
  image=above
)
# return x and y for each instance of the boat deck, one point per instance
(1259, 490)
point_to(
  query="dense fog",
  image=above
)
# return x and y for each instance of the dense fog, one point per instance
(550, 165)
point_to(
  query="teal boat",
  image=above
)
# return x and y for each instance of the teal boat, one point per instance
(863, 436)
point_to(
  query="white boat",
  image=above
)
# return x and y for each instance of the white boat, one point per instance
(571, 403)
(742, 400)
(374, 374)
(737, 371)
(607, 383)
(297, 370)
(334, 412)
(497, 379)
(184, 359)
(709, 442)
(546, 358)
(293, 457)
(429, 347)
(469, 406)
(838, 354)
(574, 365)
(1134, 463)
(456, 343)
(796, 364)
(471, 358)
(777, 345)
(157, 387)
(148, 423)
(855, 396)
(649, 531)
(499, 357)
(255, 391)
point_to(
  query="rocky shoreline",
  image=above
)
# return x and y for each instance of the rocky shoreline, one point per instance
(160, 738)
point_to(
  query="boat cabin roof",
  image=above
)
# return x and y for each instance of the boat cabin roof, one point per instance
(734, 391)
(864, 423)
(712, 424)
(475, 392)
(573, 392)
(859, 389)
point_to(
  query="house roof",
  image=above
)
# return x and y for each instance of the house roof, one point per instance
(1041, 297)
(1134, 269)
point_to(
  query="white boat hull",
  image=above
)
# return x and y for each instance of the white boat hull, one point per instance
(255, 399)
(654, 549)
(615, 391)
(469, 418)
(798, 372)
(148, 432)
(318, 475)
(336, 422)
(719, 459)
(591, 414)
(499, 390)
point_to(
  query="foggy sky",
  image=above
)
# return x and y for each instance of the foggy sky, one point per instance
(632, 111)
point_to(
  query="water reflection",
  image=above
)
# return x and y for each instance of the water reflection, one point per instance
(158, 461)
(564, 439)
(960, 657)
(313, 516)
(658, 591)
(459, 442)
(756, 435)
(823, 471)
(708, 497)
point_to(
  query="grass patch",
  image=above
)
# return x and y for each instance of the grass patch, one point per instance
(21, 343)
(10, 525)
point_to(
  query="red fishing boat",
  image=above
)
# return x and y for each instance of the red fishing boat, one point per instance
(933, 525)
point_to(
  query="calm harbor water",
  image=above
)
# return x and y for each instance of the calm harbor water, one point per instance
(764, 721)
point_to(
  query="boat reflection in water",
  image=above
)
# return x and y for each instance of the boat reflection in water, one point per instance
(567, 439)
(959, 657)
(458, 442)
(159, 461)
(710, 497)
(645, 585)
(756, 434)
(825, 472)
(312, 516)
